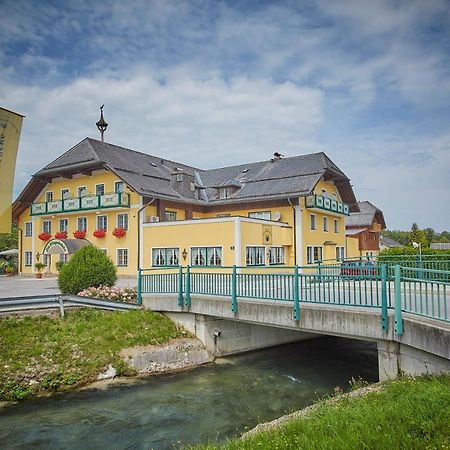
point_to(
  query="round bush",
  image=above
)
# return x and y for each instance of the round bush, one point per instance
(87, 267)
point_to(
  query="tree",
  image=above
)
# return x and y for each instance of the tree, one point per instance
(417, 235)
(430, 235)
(9, 241)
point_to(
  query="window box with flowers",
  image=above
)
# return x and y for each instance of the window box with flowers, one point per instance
(79, 234)
(119, 232)
(61, 235)
(44, 236)
(99, 233)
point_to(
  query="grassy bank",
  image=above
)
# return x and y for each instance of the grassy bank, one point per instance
(406, 414)
(42, 355)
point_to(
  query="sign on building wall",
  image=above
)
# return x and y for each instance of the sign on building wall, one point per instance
(10, 127)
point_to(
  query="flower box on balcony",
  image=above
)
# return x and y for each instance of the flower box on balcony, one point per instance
(61, 235)
(44, 236)
(99, 233)
(79, 234)
(119, 232)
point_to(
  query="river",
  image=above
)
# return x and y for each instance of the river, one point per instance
(207, 403)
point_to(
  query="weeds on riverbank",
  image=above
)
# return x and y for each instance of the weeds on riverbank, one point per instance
(409, 413)
(41, 355)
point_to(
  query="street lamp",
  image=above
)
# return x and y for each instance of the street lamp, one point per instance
(419, 246)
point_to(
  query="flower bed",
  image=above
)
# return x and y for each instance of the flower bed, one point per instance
(119, 232)
(99, 233)
(126, 295)
(44, 236)
(79, 234)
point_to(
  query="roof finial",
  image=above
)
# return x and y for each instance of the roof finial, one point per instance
(101, 124)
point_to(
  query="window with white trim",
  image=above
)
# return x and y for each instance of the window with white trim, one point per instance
(82, 223)
(63, 225)
(122, 221)
(224, 193)
(28, 257)
(165, 256)
(28, 229)
(336, 226)
(122, 257)
(99, 189)
(206, 256)
(118, 187)
(63, 257)
(47, 260)
(255, 256)
(276, 255)
(266, 215)
(49, 196)
(47, 226)
(325, 224)
(313, 254)
(65, 193)
(102, 223)
(312, 221)
(340, 253)
(170, 216)
(104, 251)
(81, 191)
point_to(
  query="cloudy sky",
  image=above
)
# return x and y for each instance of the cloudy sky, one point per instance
(213, 83)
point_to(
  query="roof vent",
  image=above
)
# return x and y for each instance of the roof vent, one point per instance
(153, 164)
(277, 155)
(245, 171)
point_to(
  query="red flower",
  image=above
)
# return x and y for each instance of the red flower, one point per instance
(61, 235)
(119, 232)
(79, 234)
(99, 233)
(44, 236)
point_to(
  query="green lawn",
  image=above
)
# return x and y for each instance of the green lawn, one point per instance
(407, 414)
(41, 355)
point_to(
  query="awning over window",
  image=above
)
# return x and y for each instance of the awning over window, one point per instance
(64, 246)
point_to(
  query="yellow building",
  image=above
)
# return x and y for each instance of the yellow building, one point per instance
(146, 211)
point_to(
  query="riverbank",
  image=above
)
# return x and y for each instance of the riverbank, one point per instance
(405, 413)
(43, 355)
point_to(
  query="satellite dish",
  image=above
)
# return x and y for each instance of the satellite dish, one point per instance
(277, 216)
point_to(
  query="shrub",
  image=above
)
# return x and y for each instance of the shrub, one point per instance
(88, 267)
(127, 295)
(59, 264)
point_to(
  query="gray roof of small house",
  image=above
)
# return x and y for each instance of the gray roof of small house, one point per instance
(149, 175)
(365, 217)
(389, 242)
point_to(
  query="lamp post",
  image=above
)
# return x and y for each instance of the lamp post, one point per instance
(419, 246)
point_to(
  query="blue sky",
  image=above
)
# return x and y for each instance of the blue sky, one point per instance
(214, 83)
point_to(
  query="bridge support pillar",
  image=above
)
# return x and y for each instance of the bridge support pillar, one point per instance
(388, 360)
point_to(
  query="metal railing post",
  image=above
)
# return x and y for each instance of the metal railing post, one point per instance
(180, 286)
(139, 287)
(296, 296)
(188, 287)
(398, 328)
(234, 305)
(384, 305)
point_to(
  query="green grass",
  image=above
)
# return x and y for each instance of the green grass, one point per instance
(407, 414)
(42, 355)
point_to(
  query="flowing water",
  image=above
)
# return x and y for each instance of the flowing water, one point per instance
(208, 403)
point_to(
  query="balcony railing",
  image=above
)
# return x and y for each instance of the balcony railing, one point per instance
(85, 203)
(326, 203)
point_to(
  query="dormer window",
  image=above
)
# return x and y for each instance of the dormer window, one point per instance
(179, 177)
(224, 193)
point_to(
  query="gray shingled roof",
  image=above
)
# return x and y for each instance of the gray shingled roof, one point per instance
(365, 217)
(150, 175)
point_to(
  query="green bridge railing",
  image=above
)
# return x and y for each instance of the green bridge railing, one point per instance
(414, 290)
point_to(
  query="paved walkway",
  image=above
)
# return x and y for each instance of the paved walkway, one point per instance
(11, 287)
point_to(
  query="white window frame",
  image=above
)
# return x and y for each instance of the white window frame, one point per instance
(124, 222)
(312, 222)
(66, 228)
(103, 188)
(104, 250)
(208, 249)
(263, 215)
(63, 257)
(47, 260)
(63, 192)
(224, 193)
(314, 253)
(325, 223)
(28, 258)
(81, 191)
(255, 255)
(119, 183)
(336, 225)
(46, 229)
(28, 229)
(106, 222)
(340, 253)
(166, 257)
(170, 216)
(118, 257)
(49, 196)
(78, 223)
(276, 256)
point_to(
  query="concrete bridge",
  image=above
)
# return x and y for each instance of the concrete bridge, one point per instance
(404, 310)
